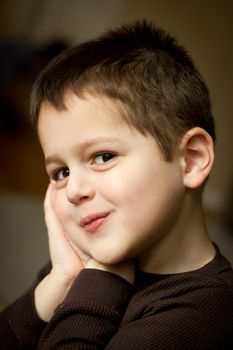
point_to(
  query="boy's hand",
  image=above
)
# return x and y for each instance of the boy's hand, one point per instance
(66, 264)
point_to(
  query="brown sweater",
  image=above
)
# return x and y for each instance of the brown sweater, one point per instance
(192, 310)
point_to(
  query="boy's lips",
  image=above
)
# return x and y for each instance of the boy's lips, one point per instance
(93, 221)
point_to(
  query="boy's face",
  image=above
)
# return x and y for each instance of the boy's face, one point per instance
(116, 197)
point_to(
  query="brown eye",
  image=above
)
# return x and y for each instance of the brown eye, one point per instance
(61, 174)
(104, 157)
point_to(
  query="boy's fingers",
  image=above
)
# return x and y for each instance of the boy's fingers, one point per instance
(53, 225)
(61, 251)
(57, 240)
(83, 256)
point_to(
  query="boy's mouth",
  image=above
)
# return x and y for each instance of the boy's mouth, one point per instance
(93, 221)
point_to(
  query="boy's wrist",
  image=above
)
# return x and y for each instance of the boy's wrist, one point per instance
(50, 293)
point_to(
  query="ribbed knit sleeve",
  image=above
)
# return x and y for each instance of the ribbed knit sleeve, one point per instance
(90, 314)
(20, 326)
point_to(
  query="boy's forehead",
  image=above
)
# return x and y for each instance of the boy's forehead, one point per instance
(89, 104)
(86, 112)
(86, 122)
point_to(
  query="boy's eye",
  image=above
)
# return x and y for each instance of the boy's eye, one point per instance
(61, 174)
(103, 157)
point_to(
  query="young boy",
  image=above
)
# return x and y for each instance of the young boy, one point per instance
(128, 136)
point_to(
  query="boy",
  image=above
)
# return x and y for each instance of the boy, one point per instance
(128, 136)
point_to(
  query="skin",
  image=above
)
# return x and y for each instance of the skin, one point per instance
(99, 164)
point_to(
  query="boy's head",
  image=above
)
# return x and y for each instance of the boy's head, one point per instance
(144, 71)
(106, 111)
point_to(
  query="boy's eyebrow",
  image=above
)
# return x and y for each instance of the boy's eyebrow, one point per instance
(97, 140)
(84, 145)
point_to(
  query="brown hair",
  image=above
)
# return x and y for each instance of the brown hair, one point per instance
(143, 68)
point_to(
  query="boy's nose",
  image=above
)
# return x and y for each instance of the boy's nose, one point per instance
(79, 190)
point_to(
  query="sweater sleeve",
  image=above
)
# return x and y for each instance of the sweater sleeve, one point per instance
(20, 326)
(90, 314)
(95, 315)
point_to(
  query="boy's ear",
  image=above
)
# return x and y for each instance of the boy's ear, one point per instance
(197, 157)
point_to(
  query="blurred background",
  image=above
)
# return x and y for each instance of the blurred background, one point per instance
(34, 31)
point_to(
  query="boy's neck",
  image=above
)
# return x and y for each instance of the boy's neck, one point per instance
(186, 248)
